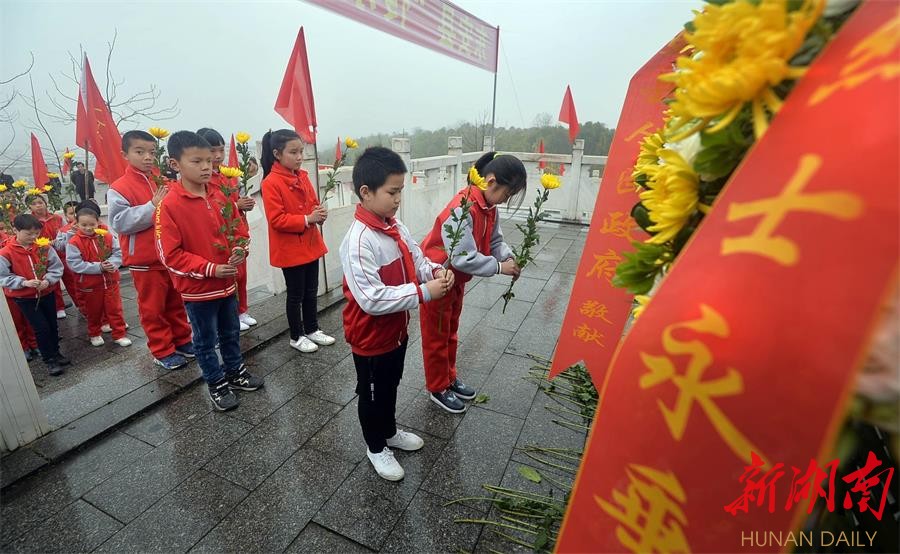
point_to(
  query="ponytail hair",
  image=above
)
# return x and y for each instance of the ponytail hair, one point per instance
(271, 141)
(212, 136)
(508, 171)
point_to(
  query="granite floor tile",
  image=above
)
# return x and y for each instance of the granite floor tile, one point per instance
(510, 320)
(470, 318)
(253, 458)
(428, 525)
(281, 385)
(507, 388)
(535, 336)
(165, 421)
(181, 518)
(336, 384)
(422, 414)
(541, 430)
(78, 528)
(315, 539)
(273, 515)
(480, 351)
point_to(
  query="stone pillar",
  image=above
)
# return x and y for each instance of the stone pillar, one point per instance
(489, 145)
(22, 418)
(400, 145)
(455, 149)
(573, 176)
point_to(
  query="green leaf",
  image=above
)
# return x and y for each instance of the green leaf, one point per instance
(529, 473)
(481, 399)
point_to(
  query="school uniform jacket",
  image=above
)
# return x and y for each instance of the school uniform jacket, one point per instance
(375, 285)
(188, 228)
(83, 257)
(17, 265)
(50, 226)
(131, 216)
(482, 239)
(288, 197)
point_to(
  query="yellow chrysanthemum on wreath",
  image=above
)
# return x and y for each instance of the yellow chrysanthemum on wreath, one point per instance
(740, 51)
(648, 156)
(671, 196)
(641, 300)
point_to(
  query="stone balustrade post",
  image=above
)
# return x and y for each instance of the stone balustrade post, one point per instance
(455, 149)
(401, 146)
(574, 178)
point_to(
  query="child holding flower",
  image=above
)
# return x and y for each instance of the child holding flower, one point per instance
(29, 268)
(476, 247)
(94, 256)
(51, 223)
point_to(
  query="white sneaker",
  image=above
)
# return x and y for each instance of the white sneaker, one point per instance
(320, 338)
(124, 341)
(386, 465)
(244, 326)
(405, 440)
(245, 318)
(97, 341)
(61, 314)
(106, 328)
(304, 345)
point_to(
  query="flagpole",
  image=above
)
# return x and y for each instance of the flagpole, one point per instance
(494, 104)
(319, 198)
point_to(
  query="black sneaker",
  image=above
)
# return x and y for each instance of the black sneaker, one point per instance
(448, 401)
(462, 390)
(242, 379)
(54, 368)
(62, 360)
(222, 397)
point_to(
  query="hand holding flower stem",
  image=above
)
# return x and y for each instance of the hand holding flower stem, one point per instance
(159, 134)
(340, 158)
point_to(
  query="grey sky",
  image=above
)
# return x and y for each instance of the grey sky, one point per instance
(224, 61)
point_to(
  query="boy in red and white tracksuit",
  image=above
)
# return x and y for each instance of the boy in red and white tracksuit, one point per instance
(94, 256)
(23, 328)
(202, 260)
(383, 268)
(132, 200)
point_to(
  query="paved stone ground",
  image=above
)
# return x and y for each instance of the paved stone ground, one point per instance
(287, 470)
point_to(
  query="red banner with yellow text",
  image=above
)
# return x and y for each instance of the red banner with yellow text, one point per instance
(753, 341)
(435, 24)
(597, 310)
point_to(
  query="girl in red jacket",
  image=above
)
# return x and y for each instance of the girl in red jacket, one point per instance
(493, 180)
(295, 242)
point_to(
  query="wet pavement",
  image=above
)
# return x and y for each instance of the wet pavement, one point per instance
(287, 470)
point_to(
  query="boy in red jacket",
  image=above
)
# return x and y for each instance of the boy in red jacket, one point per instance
(50, 226)
(203, 261)
(94, 256)
(23, 328)
(383, 267)
(29, 267)
(132, 200)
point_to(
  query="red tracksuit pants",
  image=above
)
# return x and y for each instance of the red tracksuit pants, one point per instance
(23, 328)
(161, 311)
(103, 305)
(439, 320)
(69, 279)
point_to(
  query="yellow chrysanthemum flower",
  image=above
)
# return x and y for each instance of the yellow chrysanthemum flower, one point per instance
(53, 175)
(550, 181)
(34, 191)
(351, 143)
(671, 198)
(69, 155)
(2, 188)
(42, 242)
(230, 172)
(476, 179)
(242, 137)
(47, 188)
(7, 205)
(158, 132)
(740, 51)
(20, 184)
(101, 232)
(642, 301)
(648, 156)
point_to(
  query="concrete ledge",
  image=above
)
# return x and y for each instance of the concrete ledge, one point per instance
(58, 444)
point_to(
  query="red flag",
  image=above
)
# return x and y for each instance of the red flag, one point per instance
(295, 99)
(38, 166)
(233, 160)
(95, 129)
(541, 163)
(337, 152)
(567, 114)
(67, 163)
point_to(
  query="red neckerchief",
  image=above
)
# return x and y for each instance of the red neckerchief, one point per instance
(389, 228)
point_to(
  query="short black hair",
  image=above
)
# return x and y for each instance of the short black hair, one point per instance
(89, 204)
(130, 136)
(27, 222)
(40, 197)
(87, 211)
(374, 166)
(212, 136)
(182, 140)
(70, 204)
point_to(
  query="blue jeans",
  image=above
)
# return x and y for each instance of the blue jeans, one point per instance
(211, 321)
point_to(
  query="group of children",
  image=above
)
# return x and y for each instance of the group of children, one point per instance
(185, 243)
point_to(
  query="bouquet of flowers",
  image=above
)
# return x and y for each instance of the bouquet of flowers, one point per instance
(522, 254)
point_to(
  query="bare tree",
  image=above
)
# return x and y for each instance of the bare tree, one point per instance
(6, 116)
(140, 105)
(474, 133)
